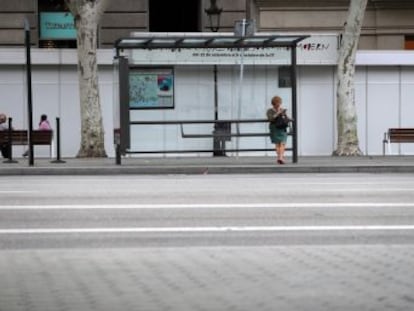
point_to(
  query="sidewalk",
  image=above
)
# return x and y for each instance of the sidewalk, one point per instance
(210, 165)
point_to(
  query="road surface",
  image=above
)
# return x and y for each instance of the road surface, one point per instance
(227, 242)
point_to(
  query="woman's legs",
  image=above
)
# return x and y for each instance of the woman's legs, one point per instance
(277, 148)
(280, 152)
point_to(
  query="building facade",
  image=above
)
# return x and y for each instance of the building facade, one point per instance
(388, 24)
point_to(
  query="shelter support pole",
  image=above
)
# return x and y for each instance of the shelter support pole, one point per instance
(215, 94)
(218, 142)
(124, 140)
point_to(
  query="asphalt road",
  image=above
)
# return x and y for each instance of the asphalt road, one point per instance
(227, 242)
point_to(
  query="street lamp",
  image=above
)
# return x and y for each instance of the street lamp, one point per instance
(29, 90)
(213, 13)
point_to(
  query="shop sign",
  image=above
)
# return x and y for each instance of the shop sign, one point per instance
(57, 25)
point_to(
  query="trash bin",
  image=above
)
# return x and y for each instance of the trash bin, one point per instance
(221, 134)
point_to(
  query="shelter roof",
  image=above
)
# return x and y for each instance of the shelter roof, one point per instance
(205, 40)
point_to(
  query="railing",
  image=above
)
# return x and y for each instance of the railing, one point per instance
(222, 132)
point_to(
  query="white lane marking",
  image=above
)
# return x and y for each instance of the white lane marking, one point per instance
(388, 190)
(17, 191)
(205, 229)
(198, 206)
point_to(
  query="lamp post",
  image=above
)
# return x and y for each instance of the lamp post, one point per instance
(29, 90)
(213, 13)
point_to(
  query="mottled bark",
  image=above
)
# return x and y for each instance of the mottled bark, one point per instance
(87, 14)
(348, 142)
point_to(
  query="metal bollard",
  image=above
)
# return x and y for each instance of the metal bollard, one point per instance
(58, 159)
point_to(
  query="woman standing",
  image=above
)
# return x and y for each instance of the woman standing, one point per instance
(278, 124)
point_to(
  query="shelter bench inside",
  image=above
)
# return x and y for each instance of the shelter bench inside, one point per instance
(397, 135)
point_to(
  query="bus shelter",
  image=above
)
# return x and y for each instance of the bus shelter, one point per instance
(199, 45)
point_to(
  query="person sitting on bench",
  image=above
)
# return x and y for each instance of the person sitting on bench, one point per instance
(44, 125)
(4, 148)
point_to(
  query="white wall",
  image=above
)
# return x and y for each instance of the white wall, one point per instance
(55, 93)
(384, 99)
(406, 109)
(316, 110)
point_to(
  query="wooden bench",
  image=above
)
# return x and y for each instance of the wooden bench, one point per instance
(397, 135)
(20, 137)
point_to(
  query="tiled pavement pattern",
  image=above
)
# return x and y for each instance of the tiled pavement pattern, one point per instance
(210, 278)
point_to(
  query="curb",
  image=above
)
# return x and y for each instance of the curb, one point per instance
(200, 170)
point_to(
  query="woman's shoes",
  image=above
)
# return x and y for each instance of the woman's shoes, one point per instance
(280, 162)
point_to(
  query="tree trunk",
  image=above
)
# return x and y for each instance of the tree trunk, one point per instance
(348, 143)
(87, 14)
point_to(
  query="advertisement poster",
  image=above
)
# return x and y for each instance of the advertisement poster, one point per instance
(151, 88)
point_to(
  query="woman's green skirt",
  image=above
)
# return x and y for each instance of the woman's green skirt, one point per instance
(277, 136)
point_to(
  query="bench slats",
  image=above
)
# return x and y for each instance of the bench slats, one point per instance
(398, 135)
(401, 135)
(20, 137)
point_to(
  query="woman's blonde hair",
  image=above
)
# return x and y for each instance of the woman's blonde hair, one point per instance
(276, 99)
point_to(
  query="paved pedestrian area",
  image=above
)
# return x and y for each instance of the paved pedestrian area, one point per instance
(210, 165)
(355, 277)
